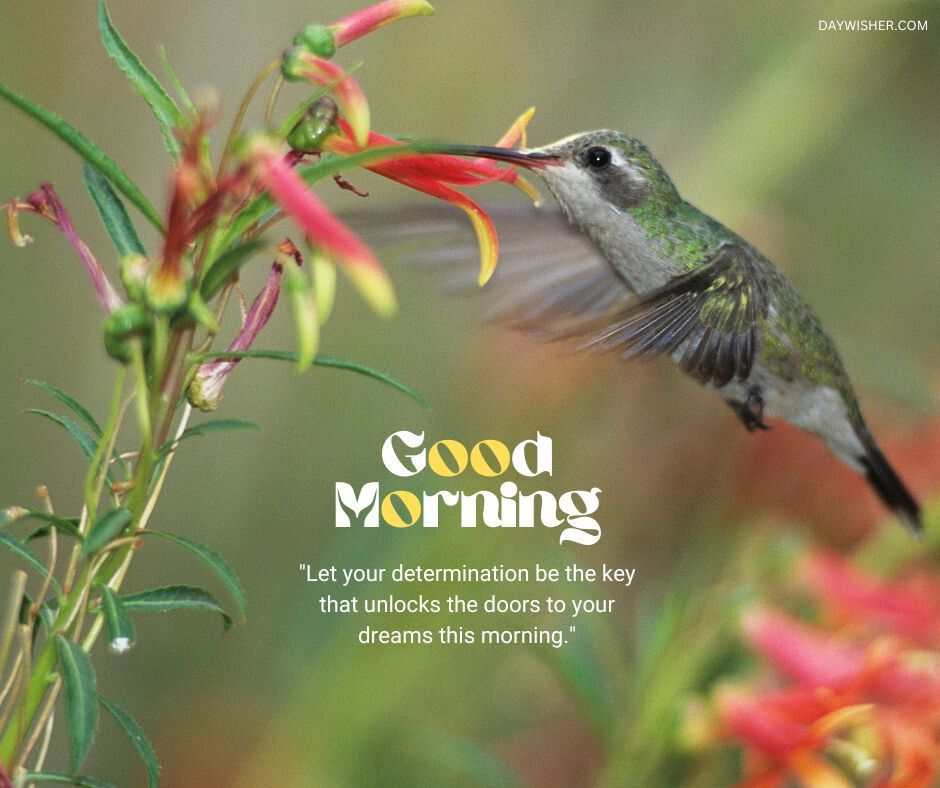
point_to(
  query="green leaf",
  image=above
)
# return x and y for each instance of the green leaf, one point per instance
(147, 754)
(322, 361)
(121, 632)
(169, 598)
(112, 212)
(80, 780)
(19, 549)
(225, 267)
(105, 528)
(217, 425)
(215, 562)
(85, 148)
(67, 525)
(86, 442)
(81, 700)
(70, 402)
(164, 108)
(205, 428)
(176, 83)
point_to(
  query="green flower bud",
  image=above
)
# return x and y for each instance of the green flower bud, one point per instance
(134, 275)
(125, 323)
(317, 40)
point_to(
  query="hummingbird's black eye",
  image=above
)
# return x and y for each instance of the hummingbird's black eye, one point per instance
(596, 157)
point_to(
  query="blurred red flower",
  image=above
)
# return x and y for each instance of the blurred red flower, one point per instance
(857, 696)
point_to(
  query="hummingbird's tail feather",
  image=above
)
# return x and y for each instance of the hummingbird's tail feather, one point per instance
(888, 484)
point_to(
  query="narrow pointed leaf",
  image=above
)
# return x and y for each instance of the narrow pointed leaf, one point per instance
(226, 266)
(81, 700)
(169, 598)
(85, 148)
(70, 402)
(370, 372)
(20, 550)
(86, 442)
(66, 525)
(176, 83)
(105, 528)
(164, 108)
(215, 562)
(134, 732)
(322, 361)
(121, 632)
(217, 425)
(112, 212)
(60, 778)
(206, 428)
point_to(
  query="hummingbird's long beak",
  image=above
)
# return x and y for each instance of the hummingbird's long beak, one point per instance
(532, 159)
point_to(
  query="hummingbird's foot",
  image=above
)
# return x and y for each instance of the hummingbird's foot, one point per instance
(751, 412)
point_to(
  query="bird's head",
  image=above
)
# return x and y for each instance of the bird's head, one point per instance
(590, 173)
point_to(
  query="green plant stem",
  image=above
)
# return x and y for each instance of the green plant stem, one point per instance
(173, 383)
(11, 615)
(42, 677)
(94, 480)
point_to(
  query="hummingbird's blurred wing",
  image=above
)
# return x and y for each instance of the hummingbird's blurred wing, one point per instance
(715, 309)
(553, 283)
(550, 281)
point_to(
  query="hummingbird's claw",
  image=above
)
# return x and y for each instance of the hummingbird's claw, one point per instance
(751, 411)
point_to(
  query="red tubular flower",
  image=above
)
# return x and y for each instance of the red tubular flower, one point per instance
(435, 174)
(365, 20)
(323, 229)
(205, 392)
(195, 202)
(46, 203)
(788, 745)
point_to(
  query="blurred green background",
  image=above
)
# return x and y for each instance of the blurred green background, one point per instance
(821, 148)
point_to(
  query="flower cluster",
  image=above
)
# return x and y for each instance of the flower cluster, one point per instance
(854, 698)
(161, 321)
(217, 215)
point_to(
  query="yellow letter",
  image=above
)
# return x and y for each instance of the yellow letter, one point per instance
(482, 466)
(409, 500)
(456, 449)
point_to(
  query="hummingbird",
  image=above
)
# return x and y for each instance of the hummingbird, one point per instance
(666, 279)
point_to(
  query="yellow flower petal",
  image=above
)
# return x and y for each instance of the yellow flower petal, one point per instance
(528, 190)
(487, 241)
(375, 287)
(842, 718)
(304, 307)
(516, 132)
(324, 285)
